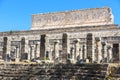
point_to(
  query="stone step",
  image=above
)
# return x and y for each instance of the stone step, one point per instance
(56, 72)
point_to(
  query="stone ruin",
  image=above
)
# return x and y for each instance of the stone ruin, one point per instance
(70, 38)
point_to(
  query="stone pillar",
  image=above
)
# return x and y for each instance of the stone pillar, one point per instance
(32, 56)
(119, 52)
(17, 57)
(104, 51)
(72, 52)
(35, 52)
(29, 52)
(42, 47)
(22, 48)
(50, 54)
(93, 49)
(109, 53)
(76, 53)
(84, 52)
(98, 50)
(56, 49)
(27, 46)
(37, 49)
(65, 46)
(9, 46)
(81, 52)
(47, 46)
(90, 47)
(5, 47)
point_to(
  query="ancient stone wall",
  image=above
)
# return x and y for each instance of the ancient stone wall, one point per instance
(96, 16)
(32, 42)
(53, 71)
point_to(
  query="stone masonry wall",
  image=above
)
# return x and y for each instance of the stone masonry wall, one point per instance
(53, 71)
(96, 16)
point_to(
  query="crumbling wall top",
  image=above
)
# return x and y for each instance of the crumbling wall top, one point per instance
(87, 17)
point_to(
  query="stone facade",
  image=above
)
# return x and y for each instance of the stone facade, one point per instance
(98, 16)
(74, 36)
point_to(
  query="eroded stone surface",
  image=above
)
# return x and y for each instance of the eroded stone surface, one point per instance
(96, 16)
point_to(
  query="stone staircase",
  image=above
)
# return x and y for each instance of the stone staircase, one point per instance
(13, 71)
(54, 72)
(69, 72)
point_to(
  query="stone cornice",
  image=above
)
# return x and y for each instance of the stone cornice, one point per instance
(62, 30)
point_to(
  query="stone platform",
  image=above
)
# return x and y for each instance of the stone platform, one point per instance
(35, 71)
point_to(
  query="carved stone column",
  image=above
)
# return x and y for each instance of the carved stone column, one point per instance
(90, 47)
(22, 48)
(65, 46)
(98, 50)
(119, 52)
(26, 46)
(84, 52)
(72, 52)
(104, 51)
(47, 46)
(32, 54)
(5, 46)
(76, 53)
(9, 46)
(81, 52)
(50, 54)
(42, 47)
(29, 52)
(109, 53)
(56, 49)
(17, 57)
(37, 49)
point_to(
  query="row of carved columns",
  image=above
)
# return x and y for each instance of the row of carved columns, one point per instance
(94, 50)
(103, 51)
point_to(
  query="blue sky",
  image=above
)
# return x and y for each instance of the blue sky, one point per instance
(16, 14)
